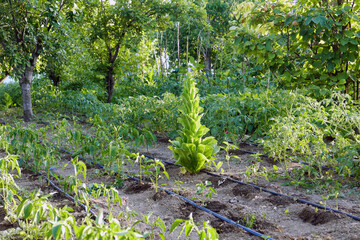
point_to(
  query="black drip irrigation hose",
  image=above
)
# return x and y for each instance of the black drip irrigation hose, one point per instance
(249, 230)
(267, 156)
(231, 179)
(288, 149)
(68, 196)
(300, 200)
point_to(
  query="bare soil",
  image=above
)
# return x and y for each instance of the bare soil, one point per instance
(275, 216)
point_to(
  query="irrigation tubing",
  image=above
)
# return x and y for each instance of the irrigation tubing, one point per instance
(229, 178)
(67, 195)
(267, 156)
(300, 200)
(249, 230)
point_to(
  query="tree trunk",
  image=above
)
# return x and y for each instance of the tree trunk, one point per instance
(110, 83)
(54, 78)
(25, 84)
(5, 76)
(207, 62)
(178, 45)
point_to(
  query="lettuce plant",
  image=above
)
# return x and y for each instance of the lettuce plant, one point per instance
(190, 149)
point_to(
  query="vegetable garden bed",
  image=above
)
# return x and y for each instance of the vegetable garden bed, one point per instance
(273, 216)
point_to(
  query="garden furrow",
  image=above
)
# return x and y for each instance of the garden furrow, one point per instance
(294, 198)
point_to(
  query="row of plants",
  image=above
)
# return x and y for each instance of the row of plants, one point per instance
(65, 225)
(33, 215)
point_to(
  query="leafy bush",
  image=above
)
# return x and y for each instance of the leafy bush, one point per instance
(321, 133)
(247, 113)
(10, 91)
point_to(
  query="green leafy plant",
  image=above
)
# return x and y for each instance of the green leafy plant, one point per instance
(227, 148)
(190, 150)
(157, 165)
(287, 211)
(206, 233)
(177, 184)
(205, 190)
(335, 195)
(249, 220)
(325, 198)
(8, 101)
(140, 160)
(252, 170)
(157, 223)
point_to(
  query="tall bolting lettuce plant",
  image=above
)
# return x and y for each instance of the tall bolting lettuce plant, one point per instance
(190, 150)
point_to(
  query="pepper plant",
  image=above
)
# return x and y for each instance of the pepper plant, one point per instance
(190, 150)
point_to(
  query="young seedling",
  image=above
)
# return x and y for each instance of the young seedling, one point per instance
(287, 211)
(336, 194)
(207, 232)
(140, 159)
(325, 200)
(264, 215)
(205, 190)
(155, 176)
(249, 220)
(252, 170)
(177, 184)
(157, 223)
(227, 148)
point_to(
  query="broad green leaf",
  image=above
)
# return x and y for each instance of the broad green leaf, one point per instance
(175, 224)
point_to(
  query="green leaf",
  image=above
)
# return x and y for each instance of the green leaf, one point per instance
(27, 210)
(271, 55)
(56, 231)
(175, 224)
(188, 229)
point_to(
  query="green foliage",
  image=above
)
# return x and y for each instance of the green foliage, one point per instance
(304, 44)
(206, 233)
(247, 113)
(321, 134)
(205, 190)
(190, 150)
(227, 148)
(152, 169)
(10, 95)
(8, 101)
(249, 220)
